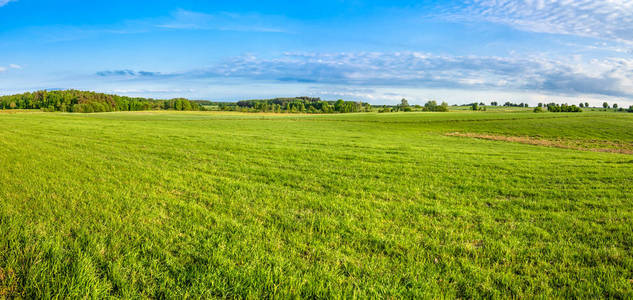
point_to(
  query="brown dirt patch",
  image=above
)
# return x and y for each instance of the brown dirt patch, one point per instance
(575, 145)
(8, 289)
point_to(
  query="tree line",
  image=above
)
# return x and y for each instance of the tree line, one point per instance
(555, 107)
(507, 104)
(87, 102)
(404, 106)
(301, 105)
(288, 105)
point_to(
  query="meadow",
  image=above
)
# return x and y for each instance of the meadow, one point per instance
(364, 205)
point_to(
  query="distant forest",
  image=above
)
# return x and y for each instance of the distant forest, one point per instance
(88, 102)
(290, 105)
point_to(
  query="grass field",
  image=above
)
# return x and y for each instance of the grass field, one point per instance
(171, 205)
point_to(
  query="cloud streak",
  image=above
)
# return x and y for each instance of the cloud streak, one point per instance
(176, 21)
(607, 77)
(605, 19)
(611, 77)
(128, 73)
(5, 2)
(10, 67)
(190, 20)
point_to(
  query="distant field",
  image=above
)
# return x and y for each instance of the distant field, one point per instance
(368, 205)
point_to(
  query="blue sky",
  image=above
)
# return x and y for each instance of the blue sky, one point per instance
(376, 51)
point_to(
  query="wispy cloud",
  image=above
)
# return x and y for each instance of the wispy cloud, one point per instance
(605, 19)
(177, 20)
(190, 20)
(351, 93)
(128, 73)
(608, 77)
(10, 67)
(5, 2)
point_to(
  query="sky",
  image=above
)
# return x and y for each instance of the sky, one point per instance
(374, 51)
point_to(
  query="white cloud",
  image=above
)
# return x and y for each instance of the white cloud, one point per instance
(611, 77)
(5, 2)
(367, 94)
(190, 20)
(128, 73)
(606, 19)
(177, 20)
(10, 67)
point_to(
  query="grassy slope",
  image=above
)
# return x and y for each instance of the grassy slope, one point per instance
(212, 204)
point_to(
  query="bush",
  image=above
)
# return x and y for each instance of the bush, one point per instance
(538, 109)
(553, 107)
(443, 107)
(432, 106)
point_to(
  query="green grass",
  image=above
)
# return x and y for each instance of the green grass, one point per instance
(171, 205)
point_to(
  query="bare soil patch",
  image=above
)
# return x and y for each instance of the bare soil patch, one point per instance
(611, 146)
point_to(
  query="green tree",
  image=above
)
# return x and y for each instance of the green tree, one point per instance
(430, 105)
(443, 107)
(186, 105)
(339, 105)
(404, 103)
